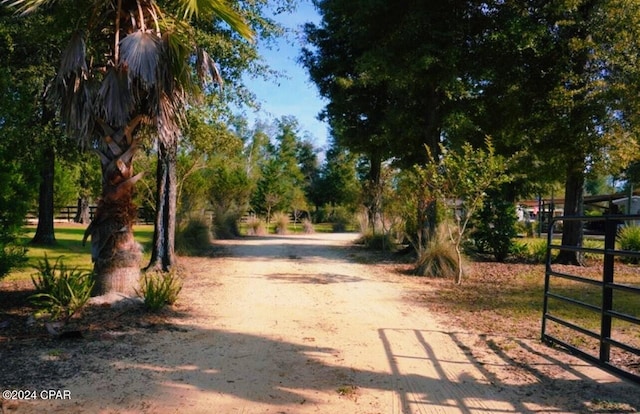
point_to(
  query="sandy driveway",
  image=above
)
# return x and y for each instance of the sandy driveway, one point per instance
(303, 324)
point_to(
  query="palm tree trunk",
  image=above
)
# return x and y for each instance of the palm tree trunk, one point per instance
(163, 247)
(115, 253)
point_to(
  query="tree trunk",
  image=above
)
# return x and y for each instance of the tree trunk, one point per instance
(163, 248)
(115, 253)
(82, 212)
(572, 231)
(373, 191)
(45, 232)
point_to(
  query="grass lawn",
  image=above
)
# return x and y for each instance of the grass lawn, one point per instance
(506, 300)
(69, 247)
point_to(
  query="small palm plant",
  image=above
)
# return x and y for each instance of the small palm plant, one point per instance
(61, 292)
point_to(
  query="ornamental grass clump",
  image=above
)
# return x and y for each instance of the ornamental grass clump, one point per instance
(629, 239)
(194, 238)
(280, 222)
(439, 258)
(159, 289)
(256, 226)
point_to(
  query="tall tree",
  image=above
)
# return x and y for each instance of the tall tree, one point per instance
(127, 68)
(563, 73)
(394, 75)
(30, 50)
(281, 180)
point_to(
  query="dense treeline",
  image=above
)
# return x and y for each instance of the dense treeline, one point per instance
(410, 86)
(553, 83)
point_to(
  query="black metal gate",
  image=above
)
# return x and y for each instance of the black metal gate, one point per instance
(587, 311)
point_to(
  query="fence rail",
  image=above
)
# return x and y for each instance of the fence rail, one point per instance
(560, 308)
(68, 213)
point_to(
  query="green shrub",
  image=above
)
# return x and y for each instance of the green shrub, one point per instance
(194, 238)
(281, 222)
(519, 250)
(225, 224)
(11, 256)
(494, 227)
(61, 292)
(378, 241)
(538, 251)
(340, 219)
(159, 289)
(256, 226)
(593, 244)
(439, 258)
(629, 239)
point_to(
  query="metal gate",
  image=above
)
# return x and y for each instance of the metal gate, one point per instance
(586, 311)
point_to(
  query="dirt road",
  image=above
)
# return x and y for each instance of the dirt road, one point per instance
(303, 324)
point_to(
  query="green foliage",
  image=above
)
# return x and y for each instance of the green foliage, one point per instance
(280, 221)
(159, 289)
(61, 292)
(281, 182)
(225, 224)
(195, 237)
(340, 218)
(538, 251)
(460, 181)
(379, 241)
(417, 204)
(629, 239)
(11, 256)
(494, 227)
(14, 202)
(65, 189)
(337, 184)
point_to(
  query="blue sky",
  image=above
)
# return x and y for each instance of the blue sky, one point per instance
(294, 95)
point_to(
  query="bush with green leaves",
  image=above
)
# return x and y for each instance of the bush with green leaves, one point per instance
(159, 289)
(11, 256)
(494, 227)
(629, 239)
(15, 192)
(225, 224)
(61, 291)
(378, 241)
(340, 219)
(538, 251)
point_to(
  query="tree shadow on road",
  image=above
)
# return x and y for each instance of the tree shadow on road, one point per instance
(165, 364)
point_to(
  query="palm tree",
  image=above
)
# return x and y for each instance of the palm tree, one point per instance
(129, 72)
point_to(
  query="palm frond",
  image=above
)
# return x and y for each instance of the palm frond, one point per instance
(74, 57)
(218, 8)
(140, 52)
(76, 108)
(26, 6)
(207, 68)
(170, 116)
(176, 55)
(114, 100)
